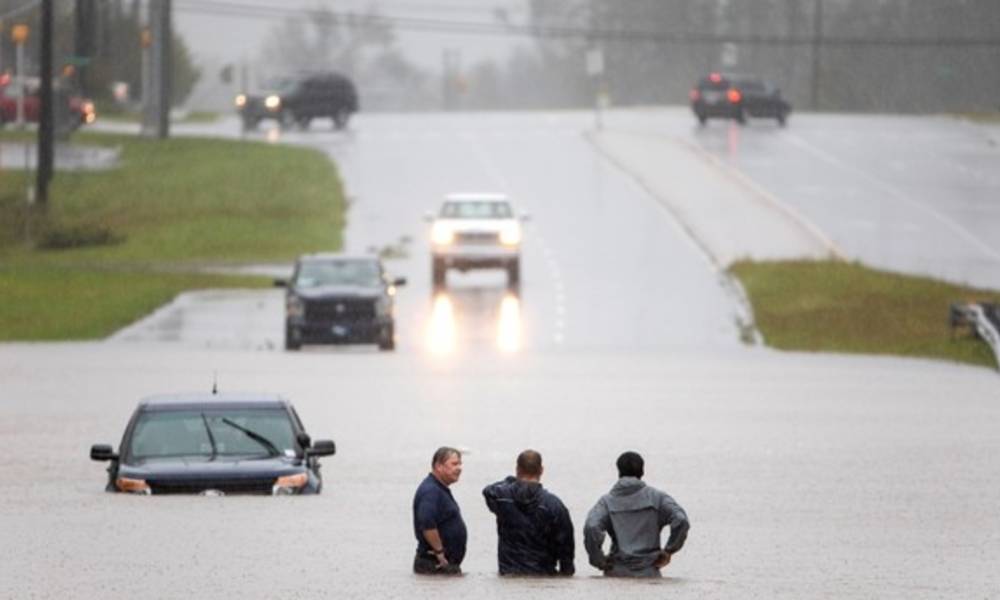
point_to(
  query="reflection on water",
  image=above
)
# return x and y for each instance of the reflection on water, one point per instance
(469, 319)
(509, 325)
(441, 329)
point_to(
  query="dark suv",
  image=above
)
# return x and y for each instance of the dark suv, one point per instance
(337, 299)
(737, 96)
(299, 100)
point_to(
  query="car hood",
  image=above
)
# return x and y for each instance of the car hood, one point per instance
(337, 291)
(200, 468)
(460, 225)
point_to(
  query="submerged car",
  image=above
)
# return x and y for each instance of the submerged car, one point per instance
(215, 444)
(476, 231)
(736, 97)
(299, 100)
(340, 299)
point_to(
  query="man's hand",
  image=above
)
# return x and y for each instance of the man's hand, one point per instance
(662, 560)
(442, 560)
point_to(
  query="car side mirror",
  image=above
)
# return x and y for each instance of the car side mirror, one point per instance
(399, 281)
(102, 452)
(280, 283)
(323, 448)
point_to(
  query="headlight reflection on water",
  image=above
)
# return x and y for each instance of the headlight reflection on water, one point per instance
(441, 331)
(509, 325)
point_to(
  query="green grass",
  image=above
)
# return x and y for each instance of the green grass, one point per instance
(56, 303)
(982, 117)
(178, 204)
(845, 307)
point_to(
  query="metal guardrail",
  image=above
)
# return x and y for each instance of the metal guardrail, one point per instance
(983, 319)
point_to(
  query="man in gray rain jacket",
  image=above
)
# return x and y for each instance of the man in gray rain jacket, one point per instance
(633, 514)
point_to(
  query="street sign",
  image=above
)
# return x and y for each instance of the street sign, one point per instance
(595, 62)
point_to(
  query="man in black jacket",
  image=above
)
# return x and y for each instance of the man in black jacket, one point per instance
(533, 526)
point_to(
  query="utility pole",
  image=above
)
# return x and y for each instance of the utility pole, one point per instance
(817, 47)
(164, 35)
(156, 96)
(84, 34)
(45, 124)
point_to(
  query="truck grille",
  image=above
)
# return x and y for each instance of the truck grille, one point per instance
(346, 309)
(477, 237)
(196, 486)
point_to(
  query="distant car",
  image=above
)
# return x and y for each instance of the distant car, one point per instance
(736, 97)
(74, 111)
(476, 231)
(215, 444)
(340, 299)
(299, 100)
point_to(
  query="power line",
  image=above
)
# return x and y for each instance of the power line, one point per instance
(422, 24)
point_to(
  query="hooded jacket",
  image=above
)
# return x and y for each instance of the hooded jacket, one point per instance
(633, 514)
(534, 530)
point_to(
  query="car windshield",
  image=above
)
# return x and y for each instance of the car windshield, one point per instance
(315, 273)
(485, 209)
(281, 85)
(187, 433)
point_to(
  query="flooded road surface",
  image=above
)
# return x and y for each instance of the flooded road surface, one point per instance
(804, 476)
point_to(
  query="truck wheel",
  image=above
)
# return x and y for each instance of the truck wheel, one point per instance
(438, 274)
(340, 118)
(387, 341)
(514, 275)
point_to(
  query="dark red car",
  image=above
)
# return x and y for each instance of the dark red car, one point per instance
(80, 111)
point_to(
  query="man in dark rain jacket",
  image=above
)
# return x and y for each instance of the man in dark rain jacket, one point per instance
(633, 514)
(533, 526)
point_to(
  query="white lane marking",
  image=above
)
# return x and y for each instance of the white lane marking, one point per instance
(899, 196)
(770, 199)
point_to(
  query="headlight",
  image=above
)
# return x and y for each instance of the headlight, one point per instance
(241, 101)
(442, 234)
(510, 235)
(289, 484)
(272, 102)
(133, 486)
(294, 307)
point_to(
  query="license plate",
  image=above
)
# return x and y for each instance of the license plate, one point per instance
(339, 330)
(213, 493)
(712, 97)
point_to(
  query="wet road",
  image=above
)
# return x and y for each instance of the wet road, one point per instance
(804, 475)
(909, 194)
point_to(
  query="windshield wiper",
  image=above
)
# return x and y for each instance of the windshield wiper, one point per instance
(211, 438)
(272, 450)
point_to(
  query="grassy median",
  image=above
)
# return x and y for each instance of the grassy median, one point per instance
(114, 245)
(845, 307)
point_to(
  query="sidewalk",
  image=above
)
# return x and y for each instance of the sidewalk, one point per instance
(728, 215)
(24, 155)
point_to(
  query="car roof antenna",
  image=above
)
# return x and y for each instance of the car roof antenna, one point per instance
(215, 382)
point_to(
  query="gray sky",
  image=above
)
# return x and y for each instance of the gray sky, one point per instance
(218, 38)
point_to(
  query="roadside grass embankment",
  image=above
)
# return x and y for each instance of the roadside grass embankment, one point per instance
(832, 306)
(135, 236)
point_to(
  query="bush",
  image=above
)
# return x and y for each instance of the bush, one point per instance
(64, 238)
